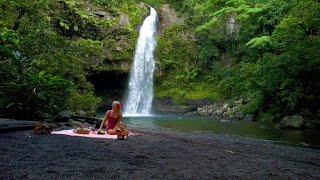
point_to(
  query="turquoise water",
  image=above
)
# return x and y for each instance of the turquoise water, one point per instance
(256, 130)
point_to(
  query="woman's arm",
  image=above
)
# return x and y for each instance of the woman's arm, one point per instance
(104, 119)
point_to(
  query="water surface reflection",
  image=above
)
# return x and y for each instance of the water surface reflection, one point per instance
(257, 130)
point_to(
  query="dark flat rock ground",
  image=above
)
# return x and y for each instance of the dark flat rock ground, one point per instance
(161, 154)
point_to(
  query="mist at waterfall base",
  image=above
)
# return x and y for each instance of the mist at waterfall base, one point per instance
(140, 90)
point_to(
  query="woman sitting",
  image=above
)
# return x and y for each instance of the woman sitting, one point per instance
(112, 119)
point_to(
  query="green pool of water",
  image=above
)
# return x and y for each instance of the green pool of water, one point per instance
(257, 130)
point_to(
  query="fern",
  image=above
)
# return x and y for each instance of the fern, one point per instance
(259, 42)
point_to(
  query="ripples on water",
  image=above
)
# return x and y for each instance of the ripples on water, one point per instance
(257, 130)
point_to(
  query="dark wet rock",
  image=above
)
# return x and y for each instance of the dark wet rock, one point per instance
(63, 116)
(225, 121)
(62, 124)
(292, 122)
(249, 117)
(192, 113)
(225, 115)
(224, 109)
(312, 124)
(74, 124)
(238, 116)
(194, 104)
(277, 126)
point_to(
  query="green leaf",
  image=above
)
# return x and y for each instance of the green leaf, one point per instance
(61, 23)
(67, 26)
(76, 28)
(47, 18)
(9, 52)
(259, 42)
(41, 74)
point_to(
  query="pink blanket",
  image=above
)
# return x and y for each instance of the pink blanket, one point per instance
(90, 135)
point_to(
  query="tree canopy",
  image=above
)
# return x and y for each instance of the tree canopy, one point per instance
(264, 51)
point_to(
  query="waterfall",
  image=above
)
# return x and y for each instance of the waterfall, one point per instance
(140, 92)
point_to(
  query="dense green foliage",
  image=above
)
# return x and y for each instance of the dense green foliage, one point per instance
(264, 51)
(47, 49)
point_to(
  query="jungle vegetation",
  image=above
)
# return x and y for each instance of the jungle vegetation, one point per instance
(264, 51)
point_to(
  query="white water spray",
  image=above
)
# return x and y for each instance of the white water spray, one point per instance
(140, 92)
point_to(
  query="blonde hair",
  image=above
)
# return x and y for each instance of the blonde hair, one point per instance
(116, 103)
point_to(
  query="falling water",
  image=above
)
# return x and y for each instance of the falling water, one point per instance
(141, 78)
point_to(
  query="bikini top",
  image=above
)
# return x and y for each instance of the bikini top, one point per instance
(112, 121)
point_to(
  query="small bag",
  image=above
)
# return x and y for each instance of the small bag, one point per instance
(122, 132)
(81, 130)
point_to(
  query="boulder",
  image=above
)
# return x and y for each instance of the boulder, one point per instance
(225, 107)
(74, 124)
(202, 111)
(239, 101)
(81, 113)
(238, 116)
(218, 112)
(192, 113)
(61, 125)
(249, 117)
(312, 124)
(230, 112)
(225, 115)
(63, 116)
(234, 109)
(292, 122)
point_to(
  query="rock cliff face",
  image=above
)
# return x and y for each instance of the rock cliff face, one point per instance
(124, 20)
(120, 52)
(168, 16)
(165, 105)
(117, 35)
(224, 110)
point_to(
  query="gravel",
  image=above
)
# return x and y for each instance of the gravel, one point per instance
(153, 154)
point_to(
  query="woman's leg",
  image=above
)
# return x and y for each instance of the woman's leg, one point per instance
(112, 132)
